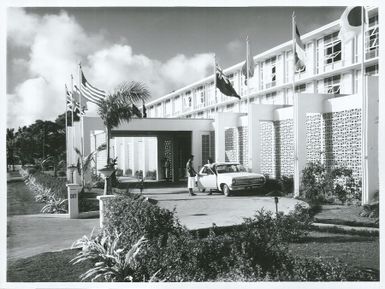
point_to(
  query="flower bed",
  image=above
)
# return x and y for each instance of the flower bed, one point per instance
(47, 189)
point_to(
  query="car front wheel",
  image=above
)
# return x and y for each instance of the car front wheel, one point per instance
(226, 191)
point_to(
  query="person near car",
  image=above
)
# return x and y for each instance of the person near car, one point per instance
(210, 162)
(191, 174)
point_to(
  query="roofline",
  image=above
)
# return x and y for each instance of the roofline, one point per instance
(286, 45)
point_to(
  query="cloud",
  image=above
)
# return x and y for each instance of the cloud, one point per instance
(56, 44)
(235, 46)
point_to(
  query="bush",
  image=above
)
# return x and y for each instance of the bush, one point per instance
(119, 172)
(151, 175)
(254, 251)
(128, 172)
(321, 185)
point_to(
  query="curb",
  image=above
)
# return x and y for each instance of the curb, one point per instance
(367, 231)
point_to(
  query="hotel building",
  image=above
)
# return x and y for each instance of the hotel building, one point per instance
(331, 117)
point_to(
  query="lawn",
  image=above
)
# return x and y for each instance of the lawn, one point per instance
(20, 200)
(46, 267)
(344, 215)
(356, 251)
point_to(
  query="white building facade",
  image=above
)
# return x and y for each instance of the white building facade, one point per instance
(331, 117)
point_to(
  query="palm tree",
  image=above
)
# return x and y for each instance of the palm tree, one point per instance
(118, 107)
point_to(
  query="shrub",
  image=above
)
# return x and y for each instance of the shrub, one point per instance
(321, 185)
(128, 172)
(119, 172)
(254, 251)
(113, 263)
(287, 184)
(47, 189)
(151, 175)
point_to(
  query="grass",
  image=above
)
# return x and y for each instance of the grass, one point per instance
(344, 215)
(47, 267)
(20, 200)
(356, 251)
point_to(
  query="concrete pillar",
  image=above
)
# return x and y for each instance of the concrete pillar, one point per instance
(73, 200)
(102, 200)
(370, 113)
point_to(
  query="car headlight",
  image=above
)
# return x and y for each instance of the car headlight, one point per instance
(234, 181)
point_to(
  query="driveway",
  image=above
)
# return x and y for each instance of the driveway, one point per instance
(32, 234)
(202, 210)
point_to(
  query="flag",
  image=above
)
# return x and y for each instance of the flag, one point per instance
(350, 23)
(68, 98)
(299, 51)
(224, 84)
(80, 98)
(136, 111)
(249, 62)
(90, 92)
(144, 110)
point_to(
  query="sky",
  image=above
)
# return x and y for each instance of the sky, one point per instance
(165, 48)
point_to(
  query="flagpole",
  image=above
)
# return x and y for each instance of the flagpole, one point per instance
(247, 71)
(364, 114)
(295, 115)
(72, 99)
(215, 84)
(81, 117)
(66, 124)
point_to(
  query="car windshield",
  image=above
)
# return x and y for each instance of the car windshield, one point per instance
(230, 168)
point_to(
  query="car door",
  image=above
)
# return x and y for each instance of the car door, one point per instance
(207, 179)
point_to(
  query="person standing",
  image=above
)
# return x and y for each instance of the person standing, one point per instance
(191, 173)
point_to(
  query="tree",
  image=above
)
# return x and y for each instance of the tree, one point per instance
(118, 107)
(11, 152)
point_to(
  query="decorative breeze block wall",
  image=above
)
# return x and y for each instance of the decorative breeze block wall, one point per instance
(342, 134)
(243, 145)
(205, 148)
(314, 137)
(231, 145)
(284, 147)
(267, 154)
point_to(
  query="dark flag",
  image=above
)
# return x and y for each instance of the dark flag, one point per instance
(144, 110)
(136, 111)
(224, 84)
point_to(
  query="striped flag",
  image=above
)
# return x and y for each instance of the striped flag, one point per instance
(80, 98)
(90, 92)
(299, 51)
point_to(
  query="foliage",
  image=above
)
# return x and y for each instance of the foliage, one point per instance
(112, 262)
(321, 185)
(47, 189)
(54, 206)
(371, 210)
(151, 175)
(128, 172)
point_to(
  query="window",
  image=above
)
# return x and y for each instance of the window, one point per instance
(200, 114)
(269, 72)
(372, 70)
(332, 48)
(300, 88)
(187, 100)
(200, 94)
(332, 84)
(168, 107)
(372, 38)
(177, 104)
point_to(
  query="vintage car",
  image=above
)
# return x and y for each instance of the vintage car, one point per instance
(228, 177)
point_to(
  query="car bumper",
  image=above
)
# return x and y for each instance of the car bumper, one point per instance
(245, 187)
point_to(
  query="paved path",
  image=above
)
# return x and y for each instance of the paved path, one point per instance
(33, 234)
(202, 210)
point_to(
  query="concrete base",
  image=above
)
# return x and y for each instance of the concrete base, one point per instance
(102, 199)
